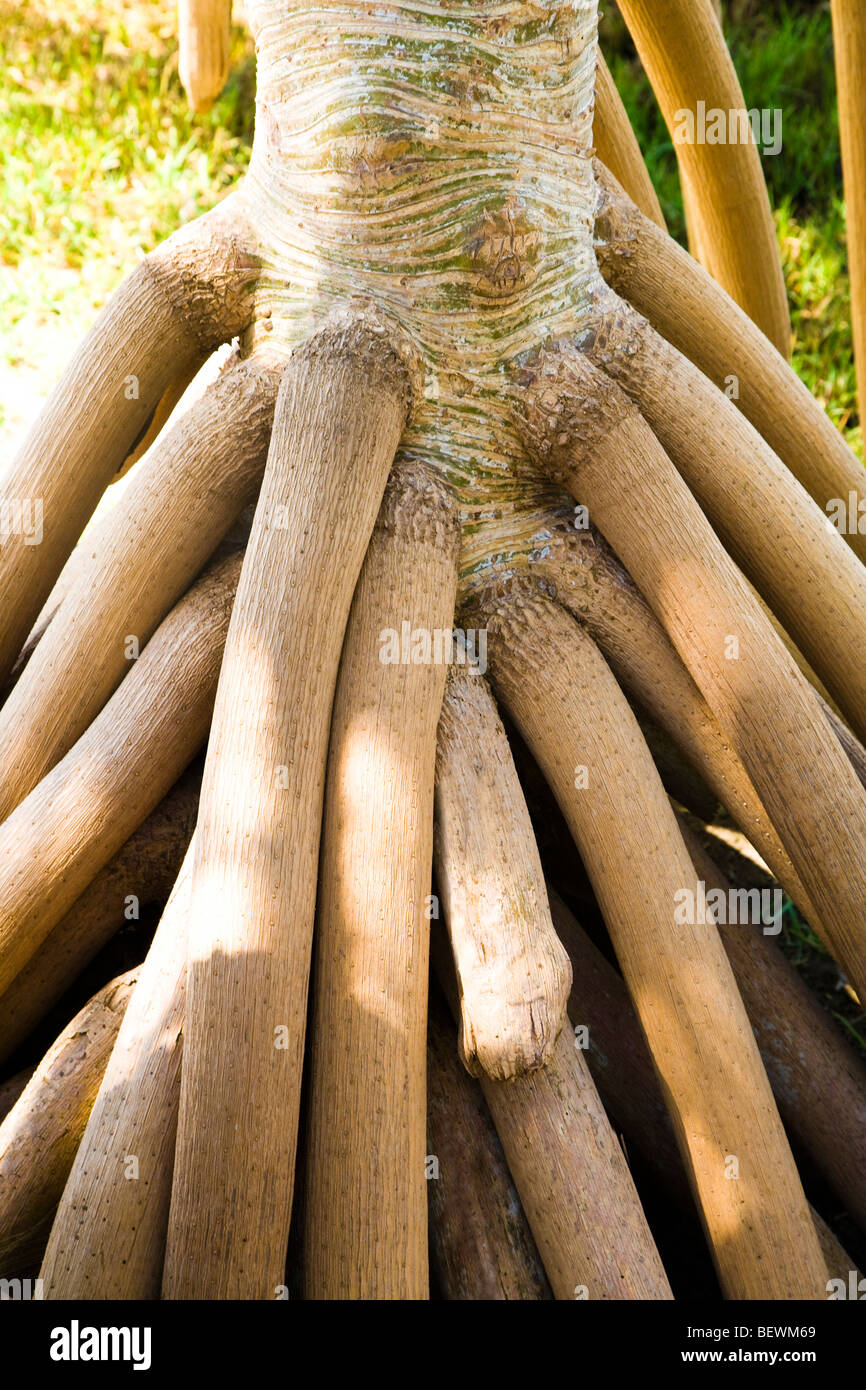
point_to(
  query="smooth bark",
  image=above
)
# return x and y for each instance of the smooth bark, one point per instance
(683, 51)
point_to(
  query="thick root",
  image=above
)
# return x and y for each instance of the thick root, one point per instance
(571, 1174)
(849, 47)
(108, 1238)
(818, 1081)
(481, 1247)
(204, 38)
(683, 51)
(142, 871)
(183, 301)
(622, 1068)
(582, 733)
(796, 560)
(592, 584)
(596, 443)
(617, 147)
(80, 815)
(688, 308)
(40, 1135)
(512, 972)
(148, 551)
(339, 417)
(365, 1204)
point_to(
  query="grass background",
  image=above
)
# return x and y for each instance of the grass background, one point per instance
(101, 160)
(783, 53)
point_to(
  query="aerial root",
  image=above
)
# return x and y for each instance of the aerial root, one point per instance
(797, 561)
(570, 1172)
(42, 1131)
(339, 416)
(181, 302)
(684, 54)
(512, 972)
(567, 705)
(108, 1238)
(593, 440)
(481, 1246)
(145, 554)
(364, 1238)
(649, 270)
(627, 1080)
(142, 871)
(78, 817)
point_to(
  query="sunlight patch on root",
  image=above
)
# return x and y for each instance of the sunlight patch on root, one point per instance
(365, 1234)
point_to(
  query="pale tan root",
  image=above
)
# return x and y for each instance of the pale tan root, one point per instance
(616, 144)
(570, 1172)
(186, 298)
(818, 1081)
(80, 815)
(592, 584)
(850, 742)
(609, 1033)
(108, 1237)
(849, 49)
(785, 545)
(481, 1247)
(688, 308)
(41, 1133)
(148, 551)
(839, 1263)
(142, 871)
(342, 404)
(579, 728)
(204, 39)
(365, 1207)
(512, 972)
(594, 441)
(683, 51)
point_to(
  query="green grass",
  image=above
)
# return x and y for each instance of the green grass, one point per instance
(783, 52)
(99, 158)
